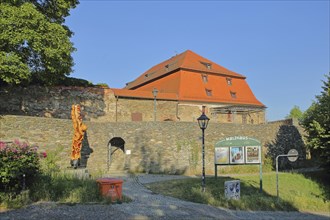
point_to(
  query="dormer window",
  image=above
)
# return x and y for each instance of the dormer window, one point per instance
(233, 94)
(205, 78)
(207, 65)
(146, 76)
(167, 67)
(208, 92)
(229, 81)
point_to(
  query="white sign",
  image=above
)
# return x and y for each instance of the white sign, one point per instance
(221, 155)
(293, 155)
(233, 189)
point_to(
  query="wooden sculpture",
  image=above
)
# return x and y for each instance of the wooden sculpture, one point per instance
(79, 130)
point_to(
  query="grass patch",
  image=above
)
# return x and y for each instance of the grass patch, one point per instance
(322, 178)
(63, 188)
(297, 193)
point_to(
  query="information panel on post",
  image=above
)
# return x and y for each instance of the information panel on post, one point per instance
(238, 150)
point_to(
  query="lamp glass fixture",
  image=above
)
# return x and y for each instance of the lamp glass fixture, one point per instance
(155, 92)
(203, 121)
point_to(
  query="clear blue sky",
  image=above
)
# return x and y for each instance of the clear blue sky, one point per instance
(282, 47)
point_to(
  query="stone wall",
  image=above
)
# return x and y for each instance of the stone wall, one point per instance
(159, 147)
(100, 104)
(54, 102)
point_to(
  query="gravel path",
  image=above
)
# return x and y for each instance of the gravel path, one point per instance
(146, 205)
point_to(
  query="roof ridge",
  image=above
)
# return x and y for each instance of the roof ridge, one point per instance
(157, 70)
(188, 60)
(219, 68)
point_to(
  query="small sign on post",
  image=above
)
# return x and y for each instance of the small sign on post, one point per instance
(233, 189)
(292, 155)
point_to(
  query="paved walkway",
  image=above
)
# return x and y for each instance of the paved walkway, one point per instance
(147, 205)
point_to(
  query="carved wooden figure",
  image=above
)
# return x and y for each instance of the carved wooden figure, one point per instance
(79, 130)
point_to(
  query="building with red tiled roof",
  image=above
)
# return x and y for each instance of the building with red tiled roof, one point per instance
(192, 81)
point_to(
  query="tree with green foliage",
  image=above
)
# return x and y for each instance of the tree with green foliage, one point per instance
(35, 44)
(316, 121)
(295, 113)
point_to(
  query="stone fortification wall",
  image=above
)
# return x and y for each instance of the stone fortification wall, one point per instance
(160, 147)
(54, 102)
(100, 104)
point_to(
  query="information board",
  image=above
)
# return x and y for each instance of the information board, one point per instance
(237, 150)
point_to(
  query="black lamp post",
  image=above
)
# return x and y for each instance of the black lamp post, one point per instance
(155, 92)
(203, 121)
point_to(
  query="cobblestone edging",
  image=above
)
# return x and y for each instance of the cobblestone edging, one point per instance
(147, 205)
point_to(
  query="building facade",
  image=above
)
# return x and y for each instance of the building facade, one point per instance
(181, 85)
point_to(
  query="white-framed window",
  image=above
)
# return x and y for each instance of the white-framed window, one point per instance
(208, 92)
(207, 65)
(229, 81)
(205, 78)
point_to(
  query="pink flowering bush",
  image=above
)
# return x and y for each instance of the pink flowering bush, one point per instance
(19, 165)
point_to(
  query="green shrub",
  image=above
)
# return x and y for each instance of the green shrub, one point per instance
(50, 165)
(19, 165)
(102, 85)
(71, 81)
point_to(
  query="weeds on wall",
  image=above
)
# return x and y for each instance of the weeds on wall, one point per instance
(192, 149)
(194, 157)
(50, 163)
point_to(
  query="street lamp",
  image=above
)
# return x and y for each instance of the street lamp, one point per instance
(203, 121)
(155, 92)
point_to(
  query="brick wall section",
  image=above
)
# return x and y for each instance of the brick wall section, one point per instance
(161, 147)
